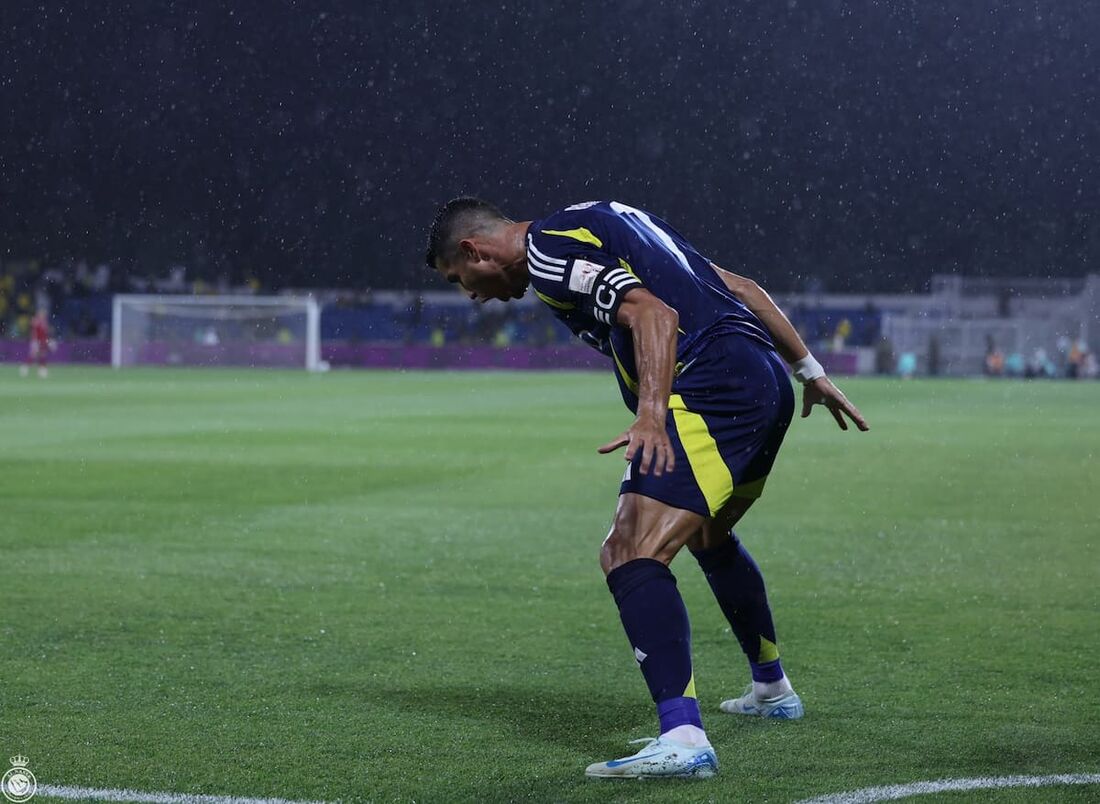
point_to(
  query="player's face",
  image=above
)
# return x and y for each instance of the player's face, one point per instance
(484, 277)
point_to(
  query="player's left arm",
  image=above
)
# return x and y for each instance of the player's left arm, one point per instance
(654, 327)
(817, 389)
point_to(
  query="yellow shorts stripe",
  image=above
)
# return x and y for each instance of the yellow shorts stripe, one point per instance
(751, 490)
(710, 470)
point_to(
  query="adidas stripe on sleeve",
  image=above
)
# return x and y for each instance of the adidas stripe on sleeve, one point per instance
(571, 284)
(544, 267)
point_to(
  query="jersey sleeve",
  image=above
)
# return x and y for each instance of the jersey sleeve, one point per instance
(577, 278)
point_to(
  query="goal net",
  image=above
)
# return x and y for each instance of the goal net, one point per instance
(270, 331)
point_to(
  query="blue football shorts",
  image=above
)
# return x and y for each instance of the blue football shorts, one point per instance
(730, 407)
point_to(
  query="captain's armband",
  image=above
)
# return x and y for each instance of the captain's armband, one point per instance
(601, 287)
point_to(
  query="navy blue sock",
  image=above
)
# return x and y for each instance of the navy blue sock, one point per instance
(656, 624)
(738, 586)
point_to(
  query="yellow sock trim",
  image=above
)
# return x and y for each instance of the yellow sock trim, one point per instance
(689, 692)
(769, 651)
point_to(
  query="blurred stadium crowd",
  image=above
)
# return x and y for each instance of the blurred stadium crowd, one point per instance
(77, 297)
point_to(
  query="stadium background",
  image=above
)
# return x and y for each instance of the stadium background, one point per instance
(381, 585)
(850, 149)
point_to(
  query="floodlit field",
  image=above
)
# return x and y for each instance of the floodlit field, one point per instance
(382, 586)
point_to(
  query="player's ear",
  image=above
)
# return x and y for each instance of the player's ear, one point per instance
(469, 250)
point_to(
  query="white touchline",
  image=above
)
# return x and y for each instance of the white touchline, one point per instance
(895, 791)
(64, 791)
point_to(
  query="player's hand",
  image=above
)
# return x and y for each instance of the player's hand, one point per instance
(822, 392)
(652, 439)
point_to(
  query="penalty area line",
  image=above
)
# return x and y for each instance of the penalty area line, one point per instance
(65, 791)
(868, 795)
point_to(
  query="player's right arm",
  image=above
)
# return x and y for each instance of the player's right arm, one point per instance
(653, 325)
(818, 390)
(582, 284)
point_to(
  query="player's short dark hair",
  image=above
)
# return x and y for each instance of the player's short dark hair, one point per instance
(456, 219)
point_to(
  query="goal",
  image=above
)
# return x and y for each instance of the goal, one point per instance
(269, 331)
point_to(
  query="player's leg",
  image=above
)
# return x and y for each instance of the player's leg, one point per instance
(43, 351)
(647, 528)
(32, 355)
(738, 586)
(760, 405)
(644, 538)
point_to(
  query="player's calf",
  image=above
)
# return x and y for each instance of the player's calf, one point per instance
(738, 586)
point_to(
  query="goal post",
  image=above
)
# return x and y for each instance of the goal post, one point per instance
(256, 331)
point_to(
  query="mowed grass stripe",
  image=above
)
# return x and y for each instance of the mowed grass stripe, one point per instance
(385, 584)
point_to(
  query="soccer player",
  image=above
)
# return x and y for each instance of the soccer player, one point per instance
(695, 353)
(39, 346)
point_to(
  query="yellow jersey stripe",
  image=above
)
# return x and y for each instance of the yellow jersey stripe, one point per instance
(626, 267)
(710, 470)
(582, 234)
(631, 383)
(554, 302)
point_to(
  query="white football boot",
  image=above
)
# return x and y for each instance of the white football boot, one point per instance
(661, 758)
(787, 706)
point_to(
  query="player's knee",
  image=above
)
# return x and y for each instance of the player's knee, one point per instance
(622, 546)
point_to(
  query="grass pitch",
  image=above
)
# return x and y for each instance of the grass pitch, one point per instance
(381, 586)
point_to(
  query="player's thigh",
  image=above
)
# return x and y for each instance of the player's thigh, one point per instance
(646, 528)
(715, 531)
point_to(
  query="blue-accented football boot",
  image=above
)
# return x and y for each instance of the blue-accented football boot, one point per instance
(787, 706)
(661, 758)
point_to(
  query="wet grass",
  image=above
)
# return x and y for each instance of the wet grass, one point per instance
(383, 586)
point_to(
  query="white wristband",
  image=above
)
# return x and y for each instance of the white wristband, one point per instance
(807, 369)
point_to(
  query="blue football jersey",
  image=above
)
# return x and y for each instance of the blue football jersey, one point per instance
(584, 259)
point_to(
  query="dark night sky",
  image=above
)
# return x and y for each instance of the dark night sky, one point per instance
(870, 144)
